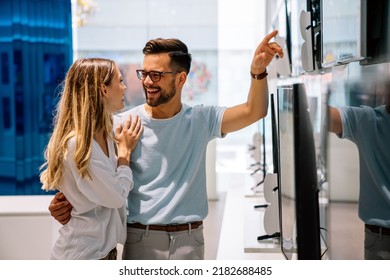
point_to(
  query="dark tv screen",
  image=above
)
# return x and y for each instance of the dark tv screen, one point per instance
(297, 177)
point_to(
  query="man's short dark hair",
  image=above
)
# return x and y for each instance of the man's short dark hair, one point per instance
(176, 49)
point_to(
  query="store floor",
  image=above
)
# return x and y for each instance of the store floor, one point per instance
(345, 229)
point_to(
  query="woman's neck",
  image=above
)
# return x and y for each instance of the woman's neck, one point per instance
(101, 139)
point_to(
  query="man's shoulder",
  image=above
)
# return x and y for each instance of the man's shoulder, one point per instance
(357, 111)
(201, 108)
(120, 117)
(131, 111)
(206, 111)
(367, 111)
(364, 117)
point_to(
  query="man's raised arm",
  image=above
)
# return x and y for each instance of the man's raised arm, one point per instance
(256, 106)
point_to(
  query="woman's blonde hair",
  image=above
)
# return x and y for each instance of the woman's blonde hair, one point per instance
(80, 113)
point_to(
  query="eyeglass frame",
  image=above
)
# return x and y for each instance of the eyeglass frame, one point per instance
(142, 74)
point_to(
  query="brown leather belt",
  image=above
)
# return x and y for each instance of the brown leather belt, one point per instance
(167, 228)
(378, 229)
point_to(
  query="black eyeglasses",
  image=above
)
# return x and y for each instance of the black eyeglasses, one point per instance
(155, 76)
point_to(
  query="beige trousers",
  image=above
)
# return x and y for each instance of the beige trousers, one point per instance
(145, 244)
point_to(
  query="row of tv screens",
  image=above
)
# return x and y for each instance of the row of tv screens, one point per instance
(340, 32)
(321, 34)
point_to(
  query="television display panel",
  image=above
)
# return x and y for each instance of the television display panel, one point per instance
(298, 187)
(340, 24)
(286, 175)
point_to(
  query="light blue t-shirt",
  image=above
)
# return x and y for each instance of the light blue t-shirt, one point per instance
(169, 165)
(369, 129)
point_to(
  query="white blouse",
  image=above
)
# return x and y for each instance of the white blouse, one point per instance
(98, 220)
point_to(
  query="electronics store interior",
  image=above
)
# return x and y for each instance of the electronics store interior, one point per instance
(283, 188)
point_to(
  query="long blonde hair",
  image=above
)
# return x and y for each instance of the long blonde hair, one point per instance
(80, 113)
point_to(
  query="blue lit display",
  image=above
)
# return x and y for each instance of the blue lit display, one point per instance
(35, 52)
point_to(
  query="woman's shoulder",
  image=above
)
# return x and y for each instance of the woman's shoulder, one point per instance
(71, 144)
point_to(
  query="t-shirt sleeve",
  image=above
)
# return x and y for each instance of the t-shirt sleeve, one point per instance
(213, 117)
(351, 118)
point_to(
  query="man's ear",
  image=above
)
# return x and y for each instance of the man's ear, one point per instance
(182, 78)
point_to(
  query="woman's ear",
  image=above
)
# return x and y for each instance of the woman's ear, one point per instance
(103, 88)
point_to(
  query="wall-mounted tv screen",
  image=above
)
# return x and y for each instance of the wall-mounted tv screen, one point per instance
(297, 177)
(340, 24)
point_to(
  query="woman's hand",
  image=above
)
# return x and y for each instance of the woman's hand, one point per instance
(127, 136)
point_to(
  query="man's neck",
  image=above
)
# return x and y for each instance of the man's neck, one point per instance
(163, 111)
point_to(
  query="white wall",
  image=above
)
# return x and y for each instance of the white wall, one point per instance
(343, 170)
(27, 231)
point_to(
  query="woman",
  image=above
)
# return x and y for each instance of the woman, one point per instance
(81, 160)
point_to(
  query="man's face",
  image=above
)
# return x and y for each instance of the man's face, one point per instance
(161, 91)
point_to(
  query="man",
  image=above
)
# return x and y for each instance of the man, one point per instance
(369, 129)
(169, 199)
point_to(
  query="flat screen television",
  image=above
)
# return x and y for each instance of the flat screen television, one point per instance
(297, 176)
(340, 34)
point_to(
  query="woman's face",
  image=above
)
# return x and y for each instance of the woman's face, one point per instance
(114, 92)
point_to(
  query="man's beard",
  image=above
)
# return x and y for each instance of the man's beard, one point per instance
(165, 96)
